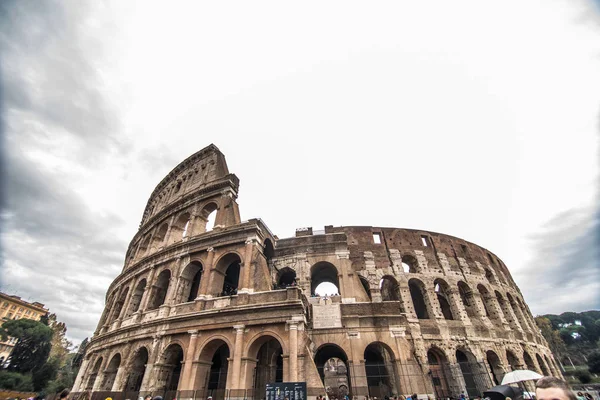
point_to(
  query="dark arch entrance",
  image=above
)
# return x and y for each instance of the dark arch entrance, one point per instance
(136, 371)
(269, 364)
(465, 361)
(92, 378)
(170, 371)
(189, 282)
(323, 272)
(381, 371)
(332, 364)
(365, 285)
(111, 372)
(542, 365)
(160, 289)
(286, 277)
(439, 372)
(417, 295)
(495, 367)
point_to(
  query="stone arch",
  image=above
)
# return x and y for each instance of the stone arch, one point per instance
(111, 372)
(542, 365)
(181, 227)
(517, 312)
(144, 246)
(226, 275)
(323, 272)
(549, 365)
(94, 374)
(442, 291)
(160, 289)
(136, 298)
(118, 307)
(137, 369)
(505, 310)
(390, 289)
(381, 374)
(189, 282)
(529, 362)
(332, 363)
(265, 358)
(170, 365)
(213, 367)
(513, 360)
(495, 365)
(488, 303)
(365, 285)
(418, 294)
(475, 382)
(441, 376)
(268, 249)
(208, 216)
(467, 298)
(286, 277)
(491, 278)
(160, 235)
(410, 264)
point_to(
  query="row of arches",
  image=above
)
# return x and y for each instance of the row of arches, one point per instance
(176, 228)
(165, 288)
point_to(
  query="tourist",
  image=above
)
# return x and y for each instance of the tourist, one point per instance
(551, 388)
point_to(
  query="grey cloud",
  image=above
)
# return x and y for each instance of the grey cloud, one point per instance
(54, 248)
(565, 269)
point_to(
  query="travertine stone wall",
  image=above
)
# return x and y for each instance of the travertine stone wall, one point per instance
(223, 310)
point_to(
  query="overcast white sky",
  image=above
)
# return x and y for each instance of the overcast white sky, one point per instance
(469, 118)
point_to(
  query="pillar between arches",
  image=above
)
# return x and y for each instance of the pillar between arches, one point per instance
(208, 275)
(188, 373)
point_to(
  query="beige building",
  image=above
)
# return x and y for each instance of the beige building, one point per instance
(222, 310)
(13, 307)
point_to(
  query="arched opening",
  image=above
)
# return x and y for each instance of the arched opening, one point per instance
(409, 264)
(92, 378)
(529, 362)
(549, 365)
(381, 374)
(468, 367)
(324, 279)
(268, 250)
(136, 298)
(180, 228)
(170, 371)
(542, 365)
(487, 301)
(513, 361)
(286, 277)
(160, 290)
(466, 296)
(111, 373)
(332, 364)
(227, 278)
(144, 245)
(213, 369)
(440, 372)
(208, 215)
(159, 236)
(517, 312)
(365, 285)
(504, 308)
(495, 366)
(189, 282)
(490, 277)
(441, 289)
(137, 370)
(417, 293)
(390, 290)
(118, 307)
(269, 364)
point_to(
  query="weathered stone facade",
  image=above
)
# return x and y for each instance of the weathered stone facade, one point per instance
(221, 312)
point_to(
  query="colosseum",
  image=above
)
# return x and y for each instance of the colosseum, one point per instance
(210, 305)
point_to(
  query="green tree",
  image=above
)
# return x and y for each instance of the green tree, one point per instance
(594, 362)
(553, 337)
(33, 343)
(41, 376)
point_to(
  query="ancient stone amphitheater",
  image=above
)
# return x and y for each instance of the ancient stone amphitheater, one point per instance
(222, 310)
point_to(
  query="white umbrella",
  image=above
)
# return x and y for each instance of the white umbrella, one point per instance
(520, 375)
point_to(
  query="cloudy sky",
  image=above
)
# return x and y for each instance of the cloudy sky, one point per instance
(470, 118)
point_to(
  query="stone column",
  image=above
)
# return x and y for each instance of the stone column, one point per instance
(188, 373)
(125, 307)
(246, 267)
(145, 387)
(100, 376)
(293, 358)
(457, 306)
(78, 385)
(237, 356)
(207, 275)
(147, 291)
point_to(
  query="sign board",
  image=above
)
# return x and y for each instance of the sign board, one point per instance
(291, 390)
